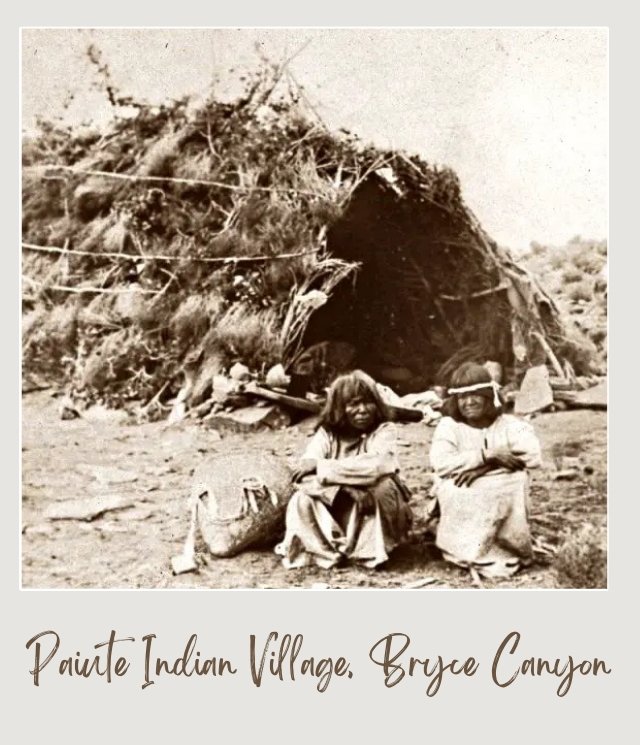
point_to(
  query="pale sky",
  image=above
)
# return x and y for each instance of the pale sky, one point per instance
(520, 114)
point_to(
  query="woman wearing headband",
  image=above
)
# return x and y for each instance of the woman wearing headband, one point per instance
(350, 503)
(480, 457)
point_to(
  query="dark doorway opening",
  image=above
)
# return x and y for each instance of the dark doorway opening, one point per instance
(408, 308)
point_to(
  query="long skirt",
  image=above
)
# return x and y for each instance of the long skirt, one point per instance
(485, 525)
(327, 535)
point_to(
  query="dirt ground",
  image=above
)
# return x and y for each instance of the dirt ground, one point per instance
(132, 547)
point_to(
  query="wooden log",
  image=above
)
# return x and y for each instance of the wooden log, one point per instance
(398, 413)
(572, 401)
(593, 405)
(404, 414)
(568, 397)
(301, 404)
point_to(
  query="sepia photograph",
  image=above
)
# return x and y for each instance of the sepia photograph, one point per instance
(314, 308)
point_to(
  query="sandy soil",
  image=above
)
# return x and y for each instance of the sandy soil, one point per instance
(131, 548)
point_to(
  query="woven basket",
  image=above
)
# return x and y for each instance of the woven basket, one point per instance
(241, 500)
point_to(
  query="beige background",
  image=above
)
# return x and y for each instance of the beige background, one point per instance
(459, 623)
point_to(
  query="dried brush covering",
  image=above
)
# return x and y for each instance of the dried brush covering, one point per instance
(170, 227)
(254, 178)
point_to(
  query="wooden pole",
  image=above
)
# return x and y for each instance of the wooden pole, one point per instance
(550, 355)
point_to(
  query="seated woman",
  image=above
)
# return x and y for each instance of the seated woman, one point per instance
(350, 503)
(480, 457)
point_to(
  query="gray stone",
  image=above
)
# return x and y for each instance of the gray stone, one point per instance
(108, 474)
(39, 529)
(87, 508)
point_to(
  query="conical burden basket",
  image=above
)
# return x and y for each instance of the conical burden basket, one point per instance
(240, 500)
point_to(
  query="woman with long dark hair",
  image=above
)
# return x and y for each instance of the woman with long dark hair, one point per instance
(351, 503)
(480, 457)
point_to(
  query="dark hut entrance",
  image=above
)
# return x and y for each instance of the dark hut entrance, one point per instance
(417, 301)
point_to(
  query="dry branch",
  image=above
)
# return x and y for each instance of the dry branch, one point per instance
(95, 290)
(294, 402)
(50, 171)
(325, 276)
(482, 293)
(155, 257)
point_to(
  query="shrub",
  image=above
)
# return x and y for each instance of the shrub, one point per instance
(598, 336)
(581, 561)
(588, 259)
(193, 317)
(557, 260)
(121, 367)
(537, 249)
(572, 275)
(581, 291)
(575, 347)
(49, 339)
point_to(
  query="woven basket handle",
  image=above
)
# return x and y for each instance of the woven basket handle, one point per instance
(254, 486)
